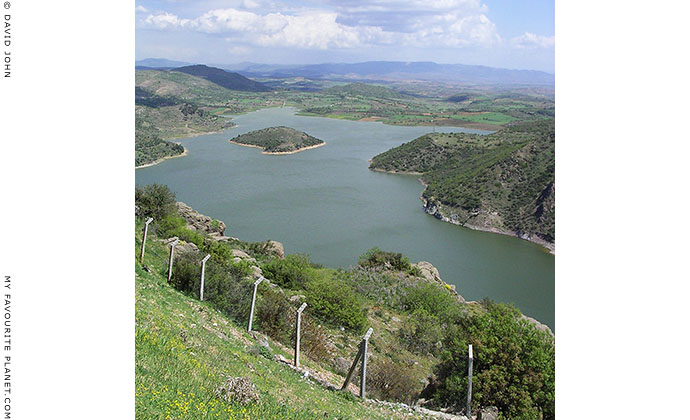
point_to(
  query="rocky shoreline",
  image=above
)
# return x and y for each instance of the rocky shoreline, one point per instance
(441, 212)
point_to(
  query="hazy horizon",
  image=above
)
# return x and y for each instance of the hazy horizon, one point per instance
(211, 64)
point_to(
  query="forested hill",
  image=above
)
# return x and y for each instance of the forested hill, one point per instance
(226, 79)
(278, 140)
(502, 182)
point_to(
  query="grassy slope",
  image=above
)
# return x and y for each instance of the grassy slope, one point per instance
(181, 86)
(226, 79)
(185, 349)
(278, 139)
(503, 180)
(171, 123)
(149, 147)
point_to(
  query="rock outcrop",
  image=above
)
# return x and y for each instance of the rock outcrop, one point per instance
(200, 222)
(538, 325)
(488, 413)
(186, 248)
(276, 248)
(432, 275)
(429, 271)
(484, 221)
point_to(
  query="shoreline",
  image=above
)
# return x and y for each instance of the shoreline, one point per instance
(157, 161)
(263, 152)
(396, 172)
(548, 246)
(375, 118)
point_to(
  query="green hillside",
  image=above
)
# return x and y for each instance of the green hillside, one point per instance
(501, 182)
(172, 105)
(181, 86)
(226, 79)
(278, 140)
(149, 147)
(154, 125)
(187, 349)
(177, 121)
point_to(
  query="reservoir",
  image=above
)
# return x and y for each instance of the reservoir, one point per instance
(325, 202)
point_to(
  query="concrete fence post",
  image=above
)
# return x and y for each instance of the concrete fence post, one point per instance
(251, 310)
(469, 380)
(363, 379)
(203, 268)
(297, 331)
(143, 241)
(360, 354)
(172, 253)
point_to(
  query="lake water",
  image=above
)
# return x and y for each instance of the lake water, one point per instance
(325, 202)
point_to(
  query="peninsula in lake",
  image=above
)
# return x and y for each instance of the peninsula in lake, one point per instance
(278, 140)
(502, 182)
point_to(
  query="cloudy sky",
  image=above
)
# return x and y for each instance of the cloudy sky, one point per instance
(499, 33)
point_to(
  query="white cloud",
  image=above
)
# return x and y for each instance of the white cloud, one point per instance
(530, 40)
(453, 30)
(141, 9)
(226, 20)
(419, 5)
(319, 31)
(165, 21)
(316, 29)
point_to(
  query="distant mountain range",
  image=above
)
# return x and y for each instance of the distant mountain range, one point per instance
(381, 70)
(160, 63)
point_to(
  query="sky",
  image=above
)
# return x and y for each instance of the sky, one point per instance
(499, 33)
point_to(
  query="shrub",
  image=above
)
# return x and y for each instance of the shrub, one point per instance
(155, 200)
(381, 287)
(314, 341)
(432, 299)
(170, 225)
(220, 250)
(391, 381)
(422, 333)
(228, 291)
(273, 313)
(376, 258)
(224, 284)
(513, 364)
(191, 236)
(186, 270)
(415, 271)
(293, 272)
(334, 302)
(257, 249)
